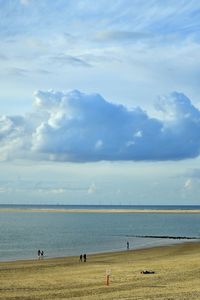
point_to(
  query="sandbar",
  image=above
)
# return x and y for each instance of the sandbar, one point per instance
(116, 211)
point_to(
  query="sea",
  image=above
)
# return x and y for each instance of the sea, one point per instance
(59, 234)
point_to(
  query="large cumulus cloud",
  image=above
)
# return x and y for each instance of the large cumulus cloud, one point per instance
(75, 126)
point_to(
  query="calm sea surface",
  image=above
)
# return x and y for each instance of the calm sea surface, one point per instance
(62, 234)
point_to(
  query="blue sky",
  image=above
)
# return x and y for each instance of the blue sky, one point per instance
(99, 101)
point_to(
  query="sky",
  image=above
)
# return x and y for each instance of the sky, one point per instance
(99, 102)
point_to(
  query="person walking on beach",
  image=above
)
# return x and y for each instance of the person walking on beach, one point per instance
(127, 245)
(39, 253)
(81, 258)
(84, 257)
(42, 254)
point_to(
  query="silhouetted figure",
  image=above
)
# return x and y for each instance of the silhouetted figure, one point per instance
(81, 258)
(127, 245)
(39, 253)
(42, 254)
(84, 257)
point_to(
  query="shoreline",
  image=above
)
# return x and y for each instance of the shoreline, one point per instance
(108, 252)
(117, 211)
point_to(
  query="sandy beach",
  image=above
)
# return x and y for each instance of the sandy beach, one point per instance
(177, 275)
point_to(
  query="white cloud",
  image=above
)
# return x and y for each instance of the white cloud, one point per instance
(99, 144)
(92, 188)
(74, 126)
(188, 184)
(57, 191)
(138, 134)
(25, 2)
(191, 188)
(4, 190)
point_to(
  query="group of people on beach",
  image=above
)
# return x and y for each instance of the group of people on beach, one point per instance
(40, 254)
(83, 257)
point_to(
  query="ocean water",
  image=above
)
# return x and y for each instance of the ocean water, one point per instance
(63, 234)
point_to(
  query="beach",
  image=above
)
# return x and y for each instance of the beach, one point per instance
(176, 267)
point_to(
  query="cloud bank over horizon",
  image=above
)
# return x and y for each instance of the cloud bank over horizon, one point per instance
(78, 127)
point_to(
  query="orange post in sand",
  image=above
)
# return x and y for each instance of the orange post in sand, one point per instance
(108, 273)
(107, 280)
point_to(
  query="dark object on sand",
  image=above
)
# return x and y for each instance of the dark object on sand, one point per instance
(147, 272)
(84, 257)
(81, 258)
